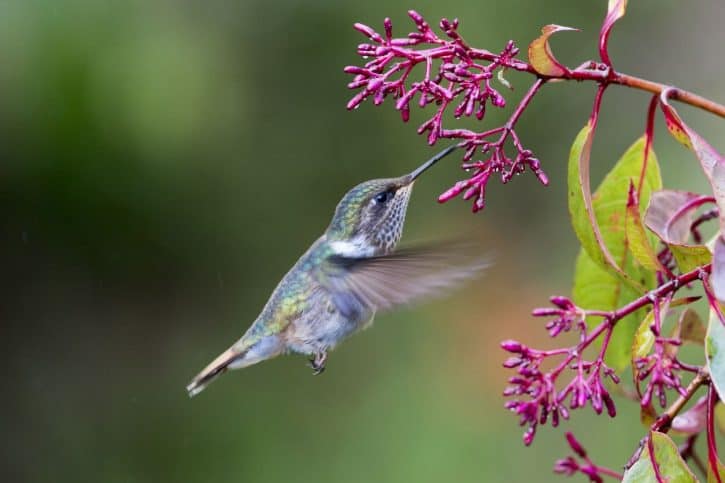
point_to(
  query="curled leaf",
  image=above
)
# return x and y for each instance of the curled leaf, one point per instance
(615, 11)
(717, 277)
(713, 164)
(670, 215)
(540, 56)
(693, 420)
(706, 154)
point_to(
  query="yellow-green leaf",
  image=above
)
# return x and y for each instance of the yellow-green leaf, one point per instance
(540, 56)
(689, 257)
(643, 339)
(637, 237)
(597, 289)
(599, 219)
(672, 468)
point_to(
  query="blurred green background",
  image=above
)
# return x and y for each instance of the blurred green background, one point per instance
(163, 163)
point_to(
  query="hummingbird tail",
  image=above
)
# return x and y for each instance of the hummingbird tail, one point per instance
(215, 369)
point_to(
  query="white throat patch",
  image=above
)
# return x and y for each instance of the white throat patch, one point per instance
(357, 247)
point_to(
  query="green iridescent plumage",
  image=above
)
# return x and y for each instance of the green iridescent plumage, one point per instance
(347, 275)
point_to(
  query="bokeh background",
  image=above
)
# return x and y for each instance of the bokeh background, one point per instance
(163, 163)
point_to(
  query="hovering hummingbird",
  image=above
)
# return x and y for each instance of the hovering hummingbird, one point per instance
(349, 273)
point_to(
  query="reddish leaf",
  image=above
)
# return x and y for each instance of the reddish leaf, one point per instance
(540, 55)
(713, 164)
(718, 269)
(615, 11)
(670, 215)
(693, 420)
(707, 155)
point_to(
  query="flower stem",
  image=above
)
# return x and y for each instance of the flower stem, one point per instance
(712, 459)
(665, 289)
(663, 422)
(677, 93)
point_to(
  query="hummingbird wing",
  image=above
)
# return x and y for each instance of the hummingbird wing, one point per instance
(382, 282)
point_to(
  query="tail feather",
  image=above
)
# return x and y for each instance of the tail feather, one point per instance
(213, 370)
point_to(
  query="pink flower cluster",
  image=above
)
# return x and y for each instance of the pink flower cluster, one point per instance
(456, 76)
(536, 392)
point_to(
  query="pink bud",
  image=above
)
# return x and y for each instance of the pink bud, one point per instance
(479, 204)
(368, 32)
(512, 362)
(388, 25)
(452, 192)
(545, 312)
(575, 445)
(543, 179)
(609, 403)
(561, 302)
(355, 101)
(405, 113)
(529, 436)
(416, 17)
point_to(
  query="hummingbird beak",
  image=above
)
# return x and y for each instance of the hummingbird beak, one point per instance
(412, 176)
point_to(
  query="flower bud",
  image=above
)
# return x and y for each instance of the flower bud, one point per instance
(529, 435)
(575, 445)
(512, 362)
(368, 32)
(561, 302)
(609, 403)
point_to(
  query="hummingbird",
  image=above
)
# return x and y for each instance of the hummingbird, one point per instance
(348, 274)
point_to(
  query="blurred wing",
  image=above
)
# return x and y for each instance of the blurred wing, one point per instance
(386, 281)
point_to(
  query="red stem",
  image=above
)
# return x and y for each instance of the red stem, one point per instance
(609, 76)
(712, 457)
(667, 288)
(649, 135)
(653, 461)
(524, 103)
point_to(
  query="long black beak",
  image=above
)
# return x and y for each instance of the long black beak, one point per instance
(412, 176)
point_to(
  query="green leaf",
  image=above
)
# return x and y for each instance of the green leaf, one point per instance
(637, 237)
(672, 467)
(598, 285)
(643, 339)
(597, 289)
(715, 352)
(689, 257)
(599, 219)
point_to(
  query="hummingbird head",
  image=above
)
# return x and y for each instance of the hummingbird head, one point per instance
(369, 219)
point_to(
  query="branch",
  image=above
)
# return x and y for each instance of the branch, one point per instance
(663, 422)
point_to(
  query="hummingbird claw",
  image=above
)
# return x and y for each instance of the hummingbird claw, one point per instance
(317, 363)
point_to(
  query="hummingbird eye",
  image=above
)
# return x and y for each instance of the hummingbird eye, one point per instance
(383, 196)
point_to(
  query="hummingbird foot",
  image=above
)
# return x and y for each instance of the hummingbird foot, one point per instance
(317, 363)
